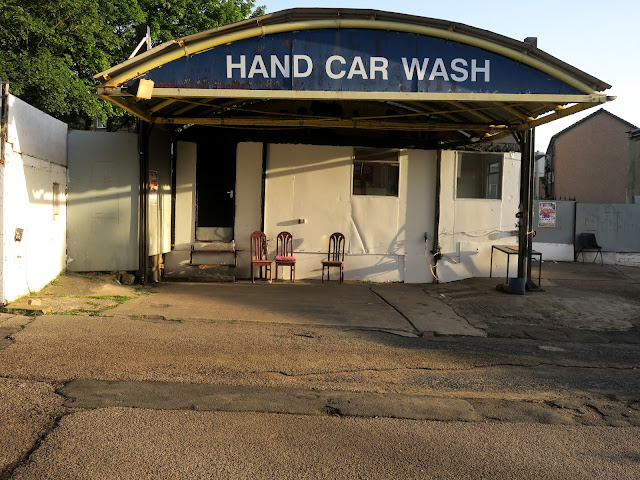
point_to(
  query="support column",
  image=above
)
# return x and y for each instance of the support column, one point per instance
(525, 212)
(143, 245)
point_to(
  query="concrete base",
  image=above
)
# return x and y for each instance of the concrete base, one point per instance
(26, 307)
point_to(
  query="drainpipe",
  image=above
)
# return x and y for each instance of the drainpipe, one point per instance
(435, 252)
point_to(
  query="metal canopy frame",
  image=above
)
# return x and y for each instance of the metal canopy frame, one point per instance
(435, 120)
(446, 119)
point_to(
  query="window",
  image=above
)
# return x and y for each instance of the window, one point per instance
(56, 199)
(479, 175)
(375, 172)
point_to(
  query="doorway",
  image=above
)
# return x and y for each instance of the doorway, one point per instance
(215, 191)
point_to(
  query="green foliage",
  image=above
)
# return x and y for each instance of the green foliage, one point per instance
(49, 51)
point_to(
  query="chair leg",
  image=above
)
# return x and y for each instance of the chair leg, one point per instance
(323, 274)
(253, 271)
(277, 273)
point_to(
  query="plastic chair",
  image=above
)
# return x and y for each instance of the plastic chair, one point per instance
(284, 254)
(587, 243)
(259, 254)
(335, 257)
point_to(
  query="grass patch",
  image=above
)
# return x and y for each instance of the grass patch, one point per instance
(18, 311)
(86, 275)
(119, 299)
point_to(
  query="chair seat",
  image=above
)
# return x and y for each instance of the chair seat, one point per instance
(333, 263)
(261, 262)
(280, 258)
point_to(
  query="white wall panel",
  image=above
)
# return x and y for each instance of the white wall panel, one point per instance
(159, 214)
(468, 227)
(103, 201)
(32, 165)
(248, 199)
(186, 156)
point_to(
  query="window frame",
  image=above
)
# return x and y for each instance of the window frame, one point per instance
(486, 174)
(376, 157)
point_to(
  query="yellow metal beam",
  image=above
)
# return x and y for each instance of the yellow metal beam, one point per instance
(343, 95)
(337, 123)
(161, 105)
(511, 110)
(472, 111)
(119, 102)
(546, 119)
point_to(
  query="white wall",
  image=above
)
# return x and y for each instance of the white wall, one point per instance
(159, 213)
(35, 156)
(468, 227)
(185, 222)
(308, 193)
(248, 198)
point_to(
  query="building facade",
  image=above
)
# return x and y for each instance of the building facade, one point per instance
(589, 161)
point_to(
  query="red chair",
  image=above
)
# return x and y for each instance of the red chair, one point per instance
(335, 257)
(259, 254)
(284, 254)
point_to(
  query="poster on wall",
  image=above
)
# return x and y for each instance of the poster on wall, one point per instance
(153, 187)
(547, 216)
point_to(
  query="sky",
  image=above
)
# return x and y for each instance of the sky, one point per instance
(599, 38)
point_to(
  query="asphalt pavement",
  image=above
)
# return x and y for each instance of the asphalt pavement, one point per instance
(311, 380)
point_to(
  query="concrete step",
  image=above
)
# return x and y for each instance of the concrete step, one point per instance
(178, 266)
(213, 257)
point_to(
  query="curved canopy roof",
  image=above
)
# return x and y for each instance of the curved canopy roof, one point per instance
(361, 74)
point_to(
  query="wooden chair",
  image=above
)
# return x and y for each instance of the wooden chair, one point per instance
(284, 254)
(259, 254)
(335, 257)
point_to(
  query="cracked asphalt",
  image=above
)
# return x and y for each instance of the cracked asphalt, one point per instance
(325, 381)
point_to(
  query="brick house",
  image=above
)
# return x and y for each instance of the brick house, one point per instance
(589, 161)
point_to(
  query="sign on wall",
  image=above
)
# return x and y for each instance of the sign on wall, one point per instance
(355, 60)
(547, 215)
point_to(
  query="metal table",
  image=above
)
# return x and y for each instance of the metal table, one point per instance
(513, 250)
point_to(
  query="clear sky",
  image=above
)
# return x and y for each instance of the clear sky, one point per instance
(600, 38)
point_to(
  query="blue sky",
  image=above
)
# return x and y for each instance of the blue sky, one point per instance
(600, 38)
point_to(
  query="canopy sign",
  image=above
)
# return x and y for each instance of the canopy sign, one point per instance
(355, 60)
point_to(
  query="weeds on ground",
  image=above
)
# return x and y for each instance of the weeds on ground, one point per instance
(119, 299)
(19, 311)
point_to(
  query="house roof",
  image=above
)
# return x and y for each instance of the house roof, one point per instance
(446, 116)
(600, 111)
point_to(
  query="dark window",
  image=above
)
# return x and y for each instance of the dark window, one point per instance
(375, 172)
(479, 176)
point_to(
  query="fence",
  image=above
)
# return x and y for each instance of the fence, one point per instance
(616, 227)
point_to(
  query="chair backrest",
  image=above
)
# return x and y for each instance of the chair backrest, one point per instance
(336, 247)
(258, 246)
(588, 241)
(284, 244)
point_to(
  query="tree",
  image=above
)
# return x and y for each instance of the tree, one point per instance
(49, 51)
